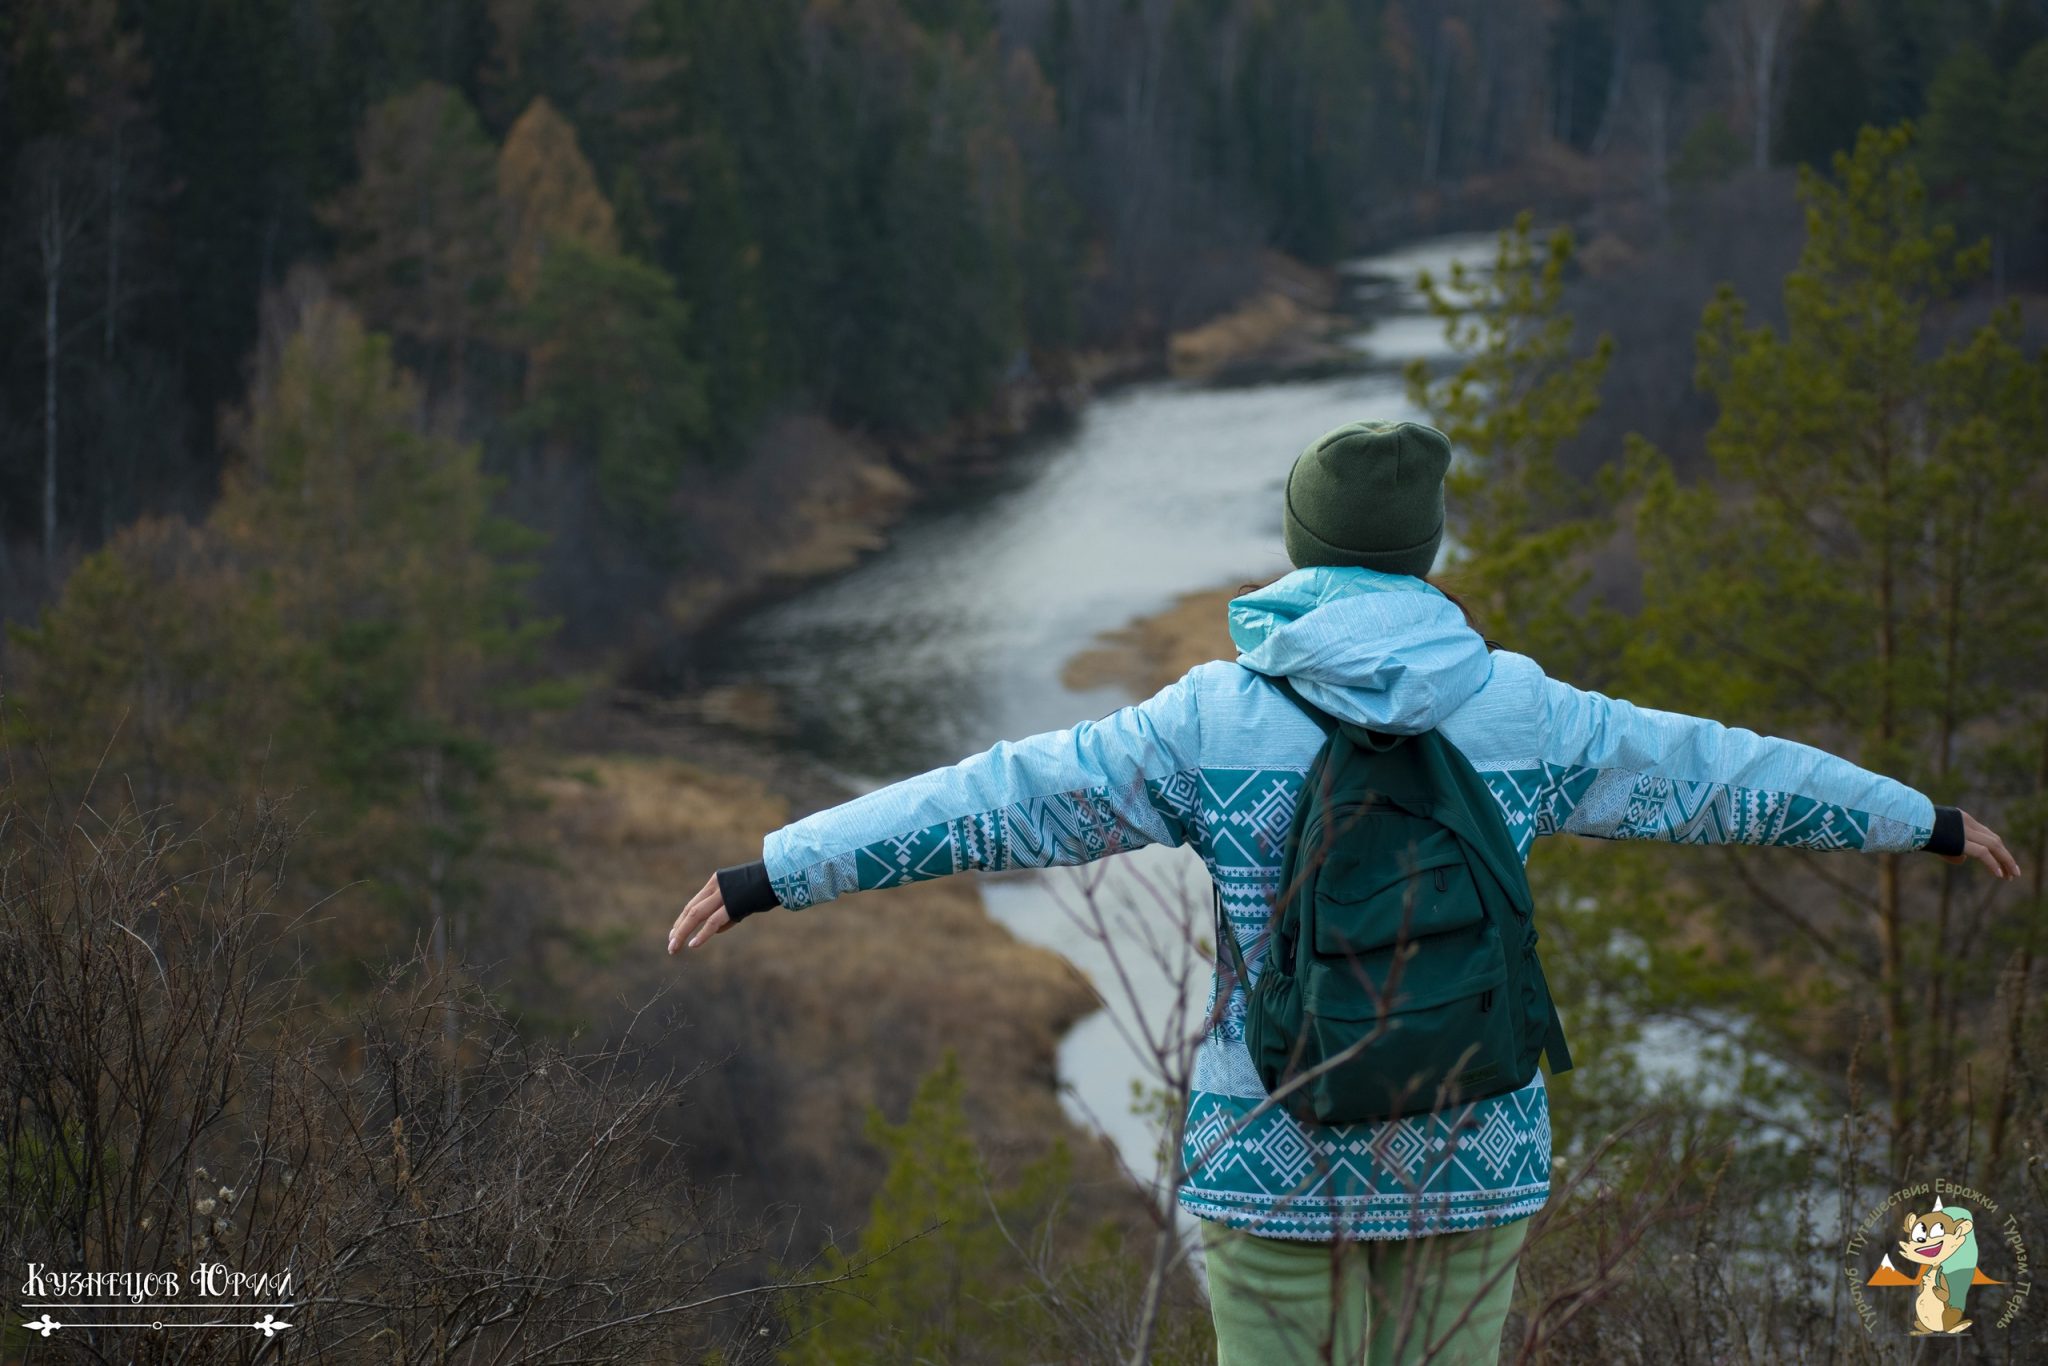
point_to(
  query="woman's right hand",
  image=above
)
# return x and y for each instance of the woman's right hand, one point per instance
(1981, 842)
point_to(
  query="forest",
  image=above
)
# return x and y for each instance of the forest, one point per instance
(400, 399)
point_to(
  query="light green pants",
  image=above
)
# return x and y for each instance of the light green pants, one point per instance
(1441, 1299)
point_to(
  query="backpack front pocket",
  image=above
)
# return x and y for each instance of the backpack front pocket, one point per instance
(1391, 877)
(1413, 1046)
(1405, 977)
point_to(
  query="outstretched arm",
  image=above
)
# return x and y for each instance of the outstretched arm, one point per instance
(1062, 797)
(1630, 772)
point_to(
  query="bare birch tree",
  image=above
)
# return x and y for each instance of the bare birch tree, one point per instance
(59, 207)
(1754, 34)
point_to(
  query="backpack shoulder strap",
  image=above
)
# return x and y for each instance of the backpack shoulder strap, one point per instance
(1555, 1050)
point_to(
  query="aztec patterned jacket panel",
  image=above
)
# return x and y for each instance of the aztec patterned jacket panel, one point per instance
(1214, 762)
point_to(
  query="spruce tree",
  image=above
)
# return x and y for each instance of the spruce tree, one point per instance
(612, 382)
(936, 1258)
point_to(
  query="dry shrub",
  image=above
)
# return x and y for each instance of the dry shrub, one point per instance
(436, 1187)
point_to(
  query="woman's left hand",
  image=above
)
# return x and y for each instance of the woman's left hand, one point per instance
(702, 918)
(1981, 842)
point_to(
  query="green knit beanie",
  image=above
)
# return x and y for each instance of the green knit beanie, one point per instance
(1369, 494)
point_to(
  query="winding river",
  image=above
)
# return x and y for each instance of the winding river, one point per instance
(954, 637)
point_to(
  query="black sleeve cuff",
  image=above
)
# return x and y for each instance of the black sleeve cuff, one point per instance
(1948, 831)
(745, 888)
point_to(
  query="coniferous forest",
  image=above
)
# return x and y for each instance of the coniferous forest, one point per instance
(404, 404)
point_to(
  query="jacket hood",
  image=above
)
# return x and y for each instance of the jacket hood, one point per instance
(1386, 651)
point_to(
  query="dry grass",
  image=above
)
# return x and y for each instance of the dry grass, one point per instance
(615, 803)
(1293, 302)
(1150, 652)
(1250, 327)
(828, 1010)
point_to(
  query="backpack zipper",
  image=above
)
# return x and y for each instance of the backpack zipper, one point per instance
(1486, 1000)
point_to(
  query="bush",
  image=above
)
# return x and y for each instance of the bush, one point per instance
(429, 1183)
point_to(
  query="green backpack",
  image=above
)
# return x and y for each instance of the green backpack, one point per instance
(1403, 952)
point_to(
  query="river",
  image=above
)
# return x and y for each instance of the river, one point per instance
(954, 636)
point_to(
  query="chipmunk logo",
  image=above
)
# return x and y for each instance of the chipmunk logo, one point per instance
(1933, 1248)
(1941, 1247)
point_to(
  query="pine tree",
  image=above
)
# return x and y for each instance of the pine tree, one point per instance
(934, 1254)
(157, 672)
(1522, 527)
(1907, 42)
(2025, 130)
(1864, 573)
(1712, 151)
(713, 234)
(537, 53)
(1962, 138)
(1520, 550)
(349, 621)
(2018, 26)
(372, 541)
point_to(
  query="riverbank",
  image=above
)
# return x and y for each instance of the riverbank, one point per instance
(1289, 324)
(813, 500)
(820, 1015)
(956, 634)
(806, 1019)
(1145, 654)
(951, 634)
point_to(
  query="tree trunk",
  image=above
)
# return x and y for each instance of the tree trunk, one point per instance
(1439, 83)
(2021, 984)
(1763, 83)
(444, 961)
(1893, 981)
(52, 244)
(6, 560)
(1890, 919)
(1659, 133)
(1610, 113)
(1749, 32)
(113, 317)
(1940, 1040)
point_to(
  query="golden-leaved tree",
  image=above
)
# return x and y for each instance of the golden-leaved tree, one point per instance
(550, 193)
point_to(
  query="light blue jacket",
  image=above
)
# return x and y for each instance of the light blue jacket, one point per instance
(1215, 760)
